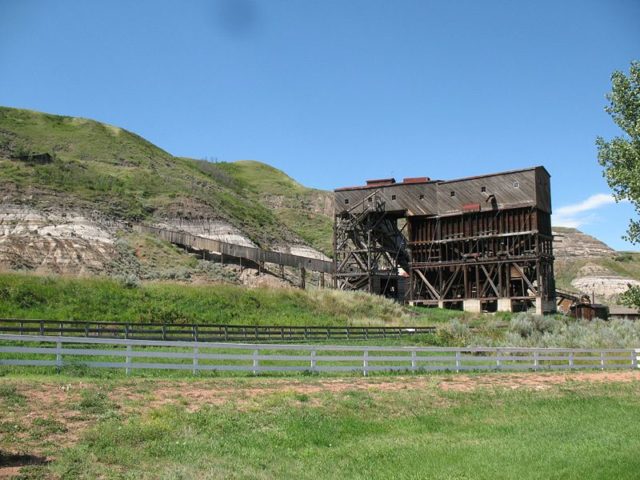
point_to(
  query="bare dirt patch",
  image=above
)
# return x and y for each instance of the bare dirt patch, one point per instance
(533, 381)
(194, 395)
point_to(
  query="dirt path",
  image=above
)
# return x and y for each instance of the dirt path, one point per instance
(216, 392)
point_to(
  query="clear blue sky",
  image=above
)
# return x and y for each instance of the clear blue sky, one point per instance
(337, 91)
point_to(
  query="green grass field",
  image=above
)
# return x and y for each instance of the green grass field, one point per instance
(494, 426)
(59, 298)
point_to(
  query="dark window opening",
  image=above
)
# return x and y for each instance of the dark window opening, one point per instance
(346, 201)
(370, 199)
(453, 194)
(393, 197)
(421, 196)
(483, 189)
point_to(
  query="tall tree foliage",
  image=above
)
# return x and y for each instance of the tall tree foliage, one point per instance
(620, 156)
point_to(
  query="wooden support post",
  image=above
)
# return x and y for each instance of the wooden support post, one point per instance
(303, 277)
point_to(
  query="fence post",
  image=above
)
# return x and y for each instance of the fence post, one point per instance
(365, 362)
(413, 360)
(498, 363)
(41, 327)
(536, 362)
(195, 360)
(636, 354)
(458, 361)
(313, 360)
(571, 360)
(601, 360)
(58, 356)
(128, 360)
(255, 362)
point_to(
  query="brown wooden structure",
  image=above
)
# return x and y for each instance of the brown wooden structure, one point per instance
(478, 243)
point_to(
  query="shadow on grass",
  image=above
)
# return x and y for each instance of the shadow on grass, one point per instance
(20, 460)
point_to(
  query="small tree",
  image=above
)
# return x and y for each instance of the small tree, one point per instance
(620, 156)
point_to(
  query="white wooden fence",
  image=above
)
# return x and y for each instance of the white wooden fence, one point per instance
(127, 354)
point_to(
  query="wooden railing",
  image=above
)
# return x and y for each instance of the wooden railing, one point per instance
(256, 255)
(203, 332)
(127, 354)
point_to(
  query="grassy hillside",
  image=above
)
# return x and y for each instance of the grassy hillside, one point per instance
(100, 167)
(30, 296)
(301, 209)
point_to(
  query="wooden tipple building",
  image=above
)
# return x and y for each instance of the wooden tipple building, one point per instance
(479, 243)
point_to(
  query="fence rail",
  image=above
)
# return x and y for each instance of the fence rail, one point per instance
(127, 354)
(202, 332)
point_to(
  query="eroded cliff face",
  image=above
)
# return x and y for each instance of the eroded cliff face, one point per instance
(77, 242)
(214, 229)
(55, 241)
(569, 243)
(593, 264)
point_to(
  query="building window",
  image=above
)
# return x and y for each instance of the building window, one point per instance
(346, 201)
(483, 189)
(370, 199)
(393, 197)
(421, 196)
(516, 184)
(453, 194)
